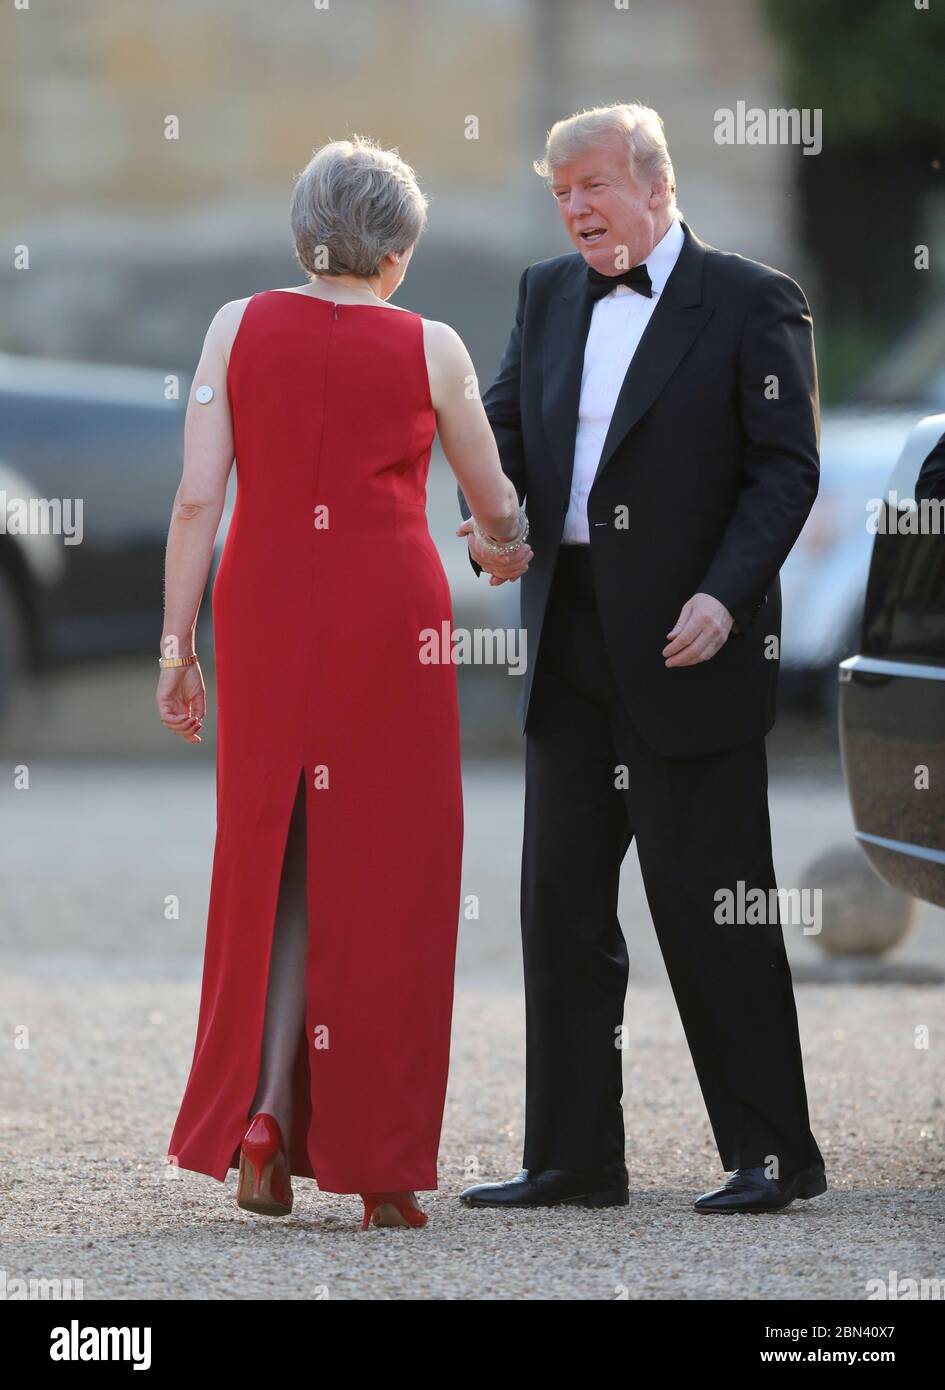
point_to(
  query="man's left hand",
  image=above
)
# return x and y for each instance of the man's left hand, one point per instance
(502, 569)
(701, 629)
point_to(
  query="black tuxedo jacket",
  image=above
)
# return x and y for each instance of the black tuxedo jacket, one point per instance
(707, 474)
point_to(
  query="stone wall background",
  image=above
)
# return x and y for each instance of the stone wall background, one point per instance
(135, 240)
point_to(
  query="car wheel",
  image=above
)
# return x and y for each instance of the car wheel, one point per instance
(862, 915)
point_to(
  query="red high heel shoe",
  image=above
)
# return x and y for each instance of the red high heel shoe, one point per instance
(391, 1209)
(265, 1185)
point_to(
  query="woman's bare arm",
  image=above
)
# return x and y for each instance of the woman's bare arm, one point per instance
(198, 504)
(465, 432)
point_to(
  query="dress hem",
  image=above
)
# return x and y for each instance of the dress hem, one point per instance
(325, 1185)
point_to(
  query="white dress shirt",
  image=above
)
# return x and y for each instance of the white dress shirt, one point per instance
(617, 324)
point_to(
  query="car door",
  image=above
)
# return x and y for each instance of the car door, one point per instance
(892, 692)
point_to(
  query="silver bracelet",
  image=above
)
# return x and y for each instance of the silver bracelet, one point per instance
(503, 547)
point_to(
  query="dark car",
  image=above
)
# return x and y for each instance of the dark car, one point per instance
(91, 456)
(892, 694)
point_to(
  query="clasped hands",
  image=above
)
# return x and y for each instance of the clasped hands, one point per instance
(701, 630)
(502, 569)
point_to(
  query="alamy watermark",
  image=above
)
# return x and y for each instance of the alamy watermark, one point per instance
(904, 1288)
(14, 1288)
(753, 125)
(41, 516)
(481, 646)
(890, 516)
(795, 907)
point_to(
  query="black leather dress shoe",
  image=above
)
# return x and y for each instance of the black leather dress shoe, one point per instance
(552, 1187)
(747, 1189)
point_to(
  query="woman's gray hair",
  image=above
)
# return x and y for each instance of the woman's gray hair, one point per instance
(640, 126)
(353, 203)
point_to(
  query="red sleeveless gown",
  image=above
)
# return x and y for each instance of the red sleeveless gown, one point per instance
(328, 579)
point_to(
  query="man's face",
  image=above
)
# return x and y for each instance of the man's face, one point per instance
(613, 220)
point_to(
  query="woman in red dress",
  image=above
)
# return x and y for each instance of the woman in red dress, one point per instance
(323, 1033)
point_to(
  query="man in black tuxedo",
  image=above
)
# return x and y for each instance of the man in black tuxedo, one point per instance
(657, 410)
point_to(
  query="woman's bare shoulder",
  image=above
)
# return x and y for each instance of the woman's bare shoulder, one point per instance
(225, 323)
(443, 343)
(449, 366)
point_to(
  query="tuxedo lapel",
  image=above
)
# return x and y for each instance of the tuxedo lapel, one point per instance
(569, 318)
(676, 321)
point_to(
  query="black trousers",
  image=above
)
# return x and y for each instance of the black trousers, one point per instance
(701, 824)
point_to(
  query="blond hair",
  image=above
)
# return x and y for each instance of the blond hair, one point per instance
(639, 126)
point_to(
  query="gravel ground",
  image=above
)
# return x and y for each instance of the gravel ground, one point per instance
(86, 1194)
(108, 991)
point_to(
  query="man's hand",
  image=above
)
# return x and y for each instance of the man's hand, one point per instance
(701, 629)
(501, 568)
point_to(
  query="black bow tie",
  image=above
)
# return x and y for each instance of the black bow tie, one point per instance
(637, 278)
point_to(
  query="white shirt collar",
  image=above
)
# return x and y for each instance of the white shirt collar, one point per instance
(661, 259)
